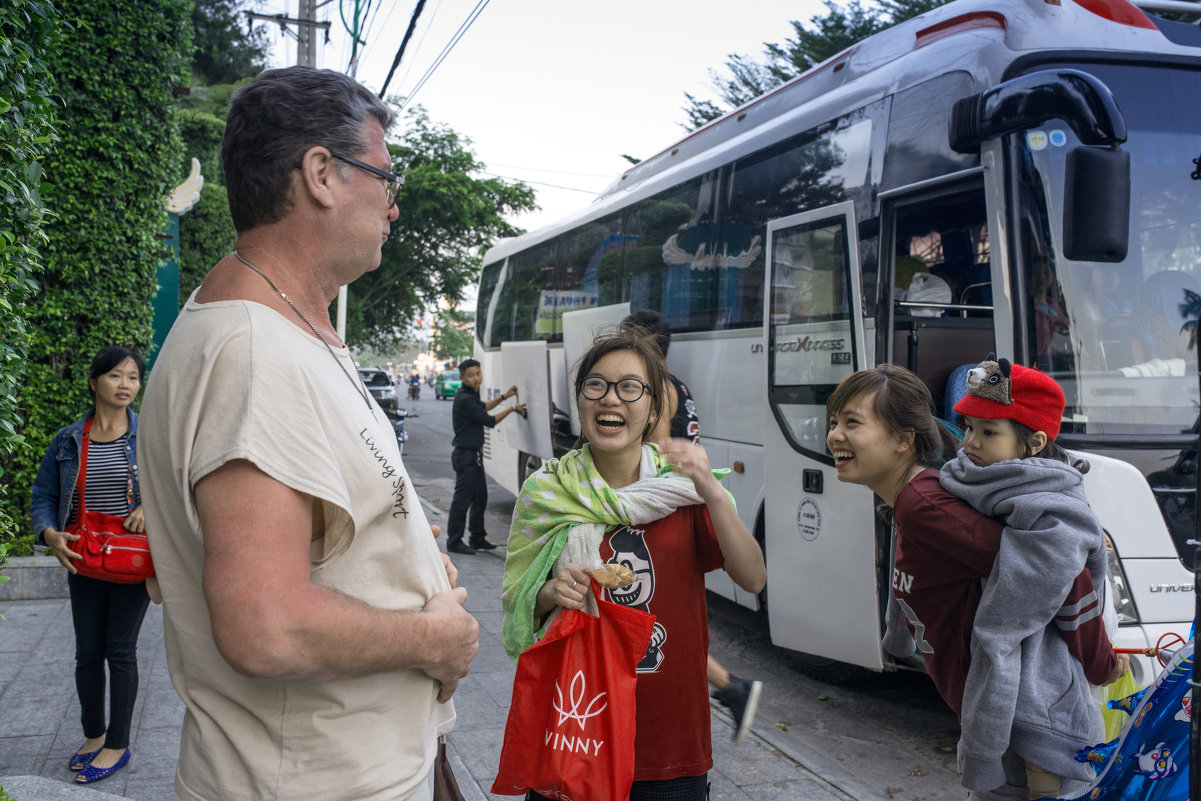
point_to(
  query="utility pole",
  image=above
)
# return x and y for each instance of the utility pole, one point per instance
(306, 39)
(306, 44)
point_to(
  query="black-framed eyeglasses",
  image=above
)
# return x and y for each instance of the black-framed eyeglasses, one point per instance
(393, 182)
(628, 389)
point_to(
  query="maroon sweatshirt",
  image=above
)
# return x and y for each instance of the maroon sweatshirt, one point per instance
(944, 549)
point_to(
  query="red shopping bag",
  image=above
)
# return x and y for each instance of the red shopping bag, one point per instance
(570, 732)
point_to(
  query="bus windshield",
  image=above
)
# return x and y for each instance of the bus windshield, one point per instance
(1120, 338)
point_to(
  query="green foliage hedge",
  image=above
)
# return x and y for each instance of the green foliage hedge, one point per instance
(119, 155)
(206, 233)
(28, 28)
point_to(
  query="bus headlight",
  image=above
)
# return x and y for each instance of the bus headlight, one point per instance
(1123, 603)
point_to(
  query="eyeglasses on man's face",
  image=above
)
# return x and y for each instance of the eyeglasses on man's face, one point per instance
(628, 389)
(392, 182)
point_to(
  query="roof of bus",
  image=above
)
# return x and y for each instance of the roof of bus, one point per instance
(915, 50)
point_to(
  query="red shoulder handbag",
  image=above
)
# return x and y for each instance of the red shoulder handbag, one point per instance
(110, 552)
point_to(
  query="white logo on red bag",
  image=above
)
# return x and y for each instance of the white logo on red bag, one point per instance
(578, 744)
(577, 697)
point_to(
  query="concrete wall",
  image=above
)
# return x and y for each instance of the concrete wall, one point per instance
(33, 578)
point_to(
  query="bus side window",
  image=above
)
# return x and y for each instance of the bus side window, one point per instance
(590, 271)
(528, 307)
(941, 246)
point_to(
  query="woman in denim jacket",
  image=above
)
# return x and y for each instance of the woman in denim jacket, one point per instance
(107, 616)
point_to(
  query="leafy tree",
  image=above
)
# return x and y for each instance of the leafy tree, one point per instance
(118, 157)
(824, 36)
(226, 56)
(28, 132)
(452, 334)
(447, 219)
(223, 52)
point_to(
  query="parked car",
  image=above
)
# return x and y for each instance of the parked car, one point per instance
(447, 384)
(379, 384)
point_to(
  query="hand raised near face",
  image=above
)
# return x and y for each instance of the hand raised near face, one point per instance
(691, 460)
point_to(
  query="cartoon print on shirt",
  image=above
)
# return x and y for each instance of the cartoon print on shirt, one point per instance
(1158, 763)
(629, 549)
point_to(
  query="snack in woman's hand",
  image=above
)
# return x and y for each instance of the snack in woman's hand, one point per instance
(613, 576)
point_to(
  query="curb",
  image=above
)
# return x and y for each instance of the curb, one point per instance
(37, 788)
(33, 578)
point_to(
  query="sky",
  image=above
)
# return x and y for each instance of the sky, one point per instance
(553, 92)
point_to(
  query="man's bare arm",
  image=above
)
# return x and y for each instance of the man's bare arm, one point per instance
(270, 620)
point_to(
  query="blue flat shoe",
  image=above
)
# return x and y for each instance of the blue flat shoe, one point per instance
(94, 774)
(81, 761)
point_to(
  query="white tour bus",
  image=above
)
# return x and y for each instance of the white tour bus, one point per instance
(1009, 176)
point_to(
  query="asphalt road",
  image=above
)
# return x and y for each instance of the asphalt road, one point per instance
(892, 732)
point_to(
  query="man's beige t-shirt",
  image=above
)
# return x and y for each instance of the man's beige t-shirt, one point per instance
(236, 380)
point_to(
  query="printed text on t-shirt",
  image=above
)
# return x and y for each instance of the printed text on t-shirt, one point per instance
(387, 471)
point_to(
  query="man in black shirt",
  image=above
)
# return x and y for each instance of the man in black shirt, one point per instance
(470, 415)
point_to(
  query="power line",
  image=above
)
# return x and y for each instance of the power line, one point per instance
(475, 12)
(355, 29)
(371, 23)
(429, 26)
(540, 183)
(557, 172)
(403, 44)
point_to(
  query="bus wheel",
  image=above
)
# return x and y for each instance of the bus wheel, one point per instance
(527, 465)
(829, 671)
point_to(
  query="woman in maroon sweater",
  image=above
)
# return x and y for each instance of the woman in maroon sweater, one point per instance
(883, 435)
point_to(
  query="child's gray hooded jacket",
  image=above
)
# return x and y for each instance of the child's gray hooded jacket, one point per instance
(1024, 689)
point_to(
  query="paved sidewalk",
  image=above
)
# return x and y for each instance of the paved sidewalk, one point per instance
(39, 713)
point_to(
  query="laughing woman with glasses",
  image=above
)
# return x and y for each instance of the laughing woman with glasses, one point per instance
(658, 510)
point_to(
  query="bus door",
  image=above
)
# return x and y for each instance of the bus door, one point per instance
(526, 366)
(820, 534)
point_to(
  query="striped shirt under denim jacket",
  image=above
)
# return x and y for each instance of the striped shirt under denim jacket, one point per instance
(53, 501)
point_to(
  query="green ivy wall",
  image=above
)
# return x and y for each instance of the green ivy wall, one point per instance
(28, 131)
(118, 156)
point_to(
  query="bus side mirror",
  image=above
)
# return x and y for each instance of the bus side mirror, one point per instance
(1096, 204)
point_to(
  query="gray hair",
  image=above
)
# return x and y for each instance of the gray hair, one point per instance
(272, 123)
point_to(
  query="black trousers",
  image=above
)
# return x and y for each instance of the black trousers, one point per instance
(685, 788)
(471, 495)
(107, 619)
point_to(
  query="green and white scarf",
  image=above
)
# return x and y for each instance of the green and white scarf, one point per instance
(567, 504)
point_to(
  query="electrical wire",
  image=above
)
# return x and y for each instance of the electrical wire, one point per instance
(607, 176)
(471, 18)
(429, 26)
(403, 44)
(354, 29)
(540, 183)
(371, 23)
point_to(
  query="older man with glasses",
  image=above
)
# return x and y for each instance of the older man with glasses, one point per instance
(313, 629)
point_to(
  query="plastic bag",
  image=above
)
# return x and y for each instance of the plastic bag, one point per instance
(1149, 760)
(570, 730)
(1116, 719)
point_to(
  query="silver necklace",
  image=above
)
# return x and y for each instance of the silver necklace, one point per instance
(358, 385)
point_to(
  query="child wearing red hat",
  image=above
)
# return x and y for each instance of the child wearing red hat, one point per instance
(1011, 468)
